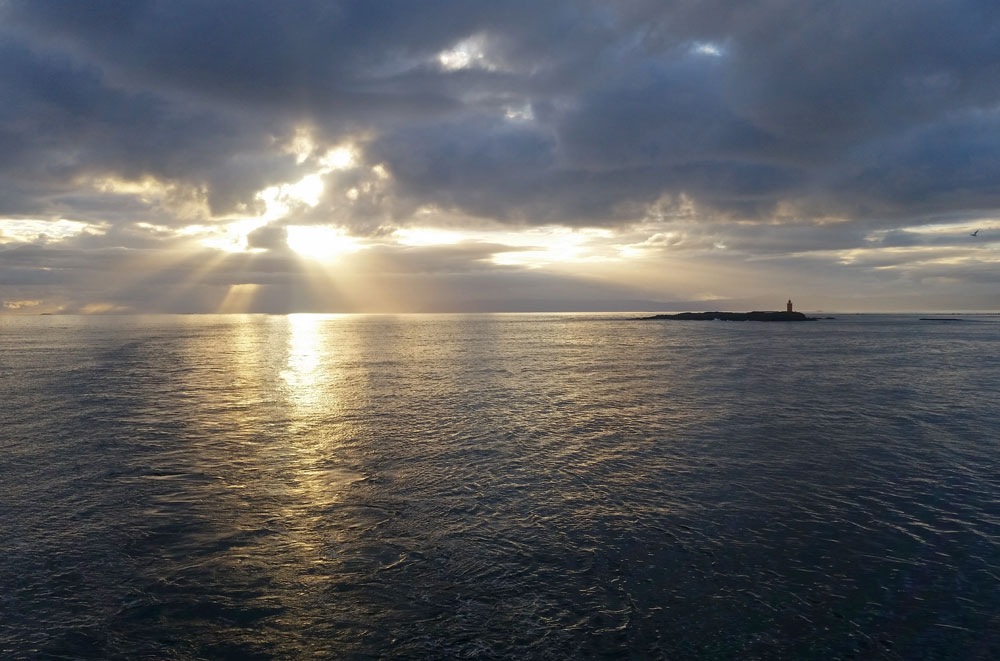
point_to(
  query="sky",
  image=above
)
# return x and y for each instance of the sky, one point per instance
(398, 156)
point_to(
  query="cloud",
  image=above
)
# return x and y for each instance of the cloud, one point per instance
(758, 131)
(18, 305)
(799, 101)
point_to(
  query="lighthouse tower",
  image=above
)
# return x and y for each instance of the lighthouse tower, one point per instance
(789, 307)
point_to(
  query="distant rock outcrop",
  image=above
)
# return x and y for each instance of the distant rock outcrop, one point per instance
(734, 316)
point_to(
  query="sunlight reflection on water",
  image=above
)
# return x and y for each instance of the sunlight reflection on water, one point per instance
(498, 485)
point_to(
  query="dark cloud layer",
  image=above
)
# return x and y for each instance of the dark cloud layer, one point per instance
(855, 108)
(880, 115)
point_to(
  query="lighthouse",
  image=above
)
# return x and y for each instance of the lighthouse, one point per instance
(789, 306)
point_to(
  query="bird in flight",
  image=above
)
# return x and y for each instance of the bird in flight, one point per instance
(974, 233)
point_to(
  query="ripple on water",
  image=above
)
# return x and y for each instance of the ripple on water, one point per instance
(498, 486)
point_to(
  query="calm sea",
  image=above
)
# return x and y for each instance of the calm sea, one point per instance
(513, 486)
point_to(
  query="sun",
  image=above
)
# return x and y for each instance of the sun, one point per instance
(320, 242)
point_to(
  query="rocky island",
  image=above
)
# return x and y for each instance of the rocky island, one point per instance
(787, 315)
(735, 316)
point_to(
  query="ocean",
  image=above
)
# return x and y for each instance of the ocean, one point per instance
(498, 486)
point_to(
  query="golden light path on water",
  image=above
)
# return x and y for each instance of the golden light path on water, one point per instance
(512, 486)
(308, 386)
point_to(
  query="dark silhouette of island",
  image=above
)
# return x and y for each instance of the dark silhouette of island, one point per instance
(787, 315)
(735, 316)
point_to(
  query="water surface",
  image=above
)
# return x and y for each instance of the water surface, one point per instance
(527, 486)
